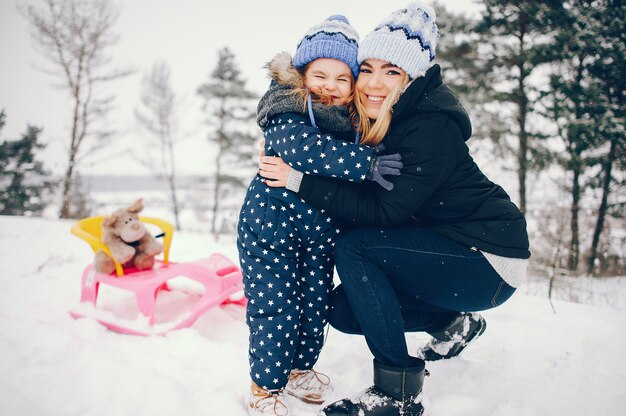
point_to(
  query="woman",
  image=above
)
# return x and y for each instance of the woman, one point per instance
(443, 242)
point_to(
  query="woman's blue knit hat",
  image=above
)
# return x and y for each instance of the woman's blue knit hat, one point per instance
(334, 38)
(407, 38)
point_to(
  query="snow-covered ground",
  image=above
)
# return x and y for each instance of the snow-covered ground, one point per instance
(530, 362)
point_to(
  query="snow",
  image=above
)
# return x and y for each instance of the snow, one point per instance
(529, 362)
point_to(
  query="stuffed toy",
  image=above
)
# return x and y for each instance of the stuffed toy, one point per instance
(128, 240)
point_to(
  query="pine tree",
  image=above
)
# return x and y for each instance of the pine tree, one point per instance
(572, 103)
(24, 181)
(583, 99)
(606, 19)
(512, 33)
(463, 66)
(230, 109)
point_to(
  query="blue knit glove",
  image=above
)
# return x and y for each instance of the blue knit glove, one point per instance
(385, 165)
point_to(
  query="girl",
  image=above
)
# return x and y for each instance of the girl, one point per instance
(286, 245)
(457, 244)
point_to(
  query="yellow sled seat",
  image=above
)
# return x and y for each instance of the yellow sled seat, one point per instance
(90, 230)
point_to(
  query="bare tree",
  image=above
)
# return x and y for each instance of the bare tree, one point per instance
(158, 116)
(74, 36)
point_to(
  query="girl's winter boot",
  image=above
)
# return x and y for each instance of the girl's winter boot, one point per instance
(308, 385)
(450, 341)
(396, 391)
(264, 402)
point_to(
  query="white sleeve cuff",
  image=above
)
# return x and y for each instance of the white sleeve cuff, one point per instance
(293, 182)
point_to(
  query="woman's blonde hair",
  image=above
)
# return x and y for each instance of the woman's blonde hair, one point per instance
(373, 133)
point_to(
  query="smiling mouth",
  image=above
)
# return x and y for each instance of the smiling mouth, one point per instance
(375, 98)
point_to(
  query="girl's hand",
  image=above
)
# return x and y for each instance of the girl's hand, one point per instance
(274, 170)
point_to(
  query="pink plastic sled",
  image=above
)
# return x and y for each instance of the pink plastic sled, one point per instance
(214, 279)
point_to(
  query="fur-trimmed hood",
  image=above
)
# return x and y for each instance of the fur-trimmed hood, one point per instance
(285, 96)
(281, 70)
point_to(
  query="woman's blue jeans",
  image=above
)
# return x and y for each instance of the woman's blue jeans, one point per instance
(407, 279)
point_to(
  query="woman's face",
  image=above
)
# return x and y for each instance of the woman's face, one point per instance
(329, 77)
(377, 79)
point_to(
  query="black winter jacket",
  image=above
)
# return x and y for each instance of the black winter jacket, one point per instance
(440, 186)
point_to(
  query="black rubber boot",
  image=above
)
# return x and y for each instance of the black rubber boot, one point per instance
(396, 392)
(450, 341)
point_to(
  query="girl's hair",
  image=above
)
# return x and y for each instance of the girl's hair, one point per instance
(373, 133)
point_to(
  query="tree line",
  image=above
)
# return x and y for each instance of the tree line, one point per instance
(543, 82)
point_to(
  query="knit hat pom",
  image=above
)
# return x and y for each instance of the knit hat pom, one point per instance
(334, 38)
(407, 38)
(339, 18)
(426, 8)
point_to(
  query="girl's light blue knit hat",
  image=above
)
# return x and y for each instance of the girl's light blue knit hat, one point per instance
(334, 38)
(407, 38)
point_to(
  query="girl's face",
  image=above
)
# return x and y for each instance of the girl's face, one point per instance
(331, 78)
(377, 79)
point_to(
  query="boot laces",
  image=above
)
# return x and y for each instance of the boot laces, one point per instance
(264, 399)
(309, 379)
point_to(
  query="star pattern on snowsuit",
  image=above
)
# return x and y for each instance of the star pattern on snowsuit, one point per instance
(286, 252)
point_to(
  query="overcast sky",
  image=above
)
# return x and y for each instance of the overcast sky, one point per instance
(186, 34)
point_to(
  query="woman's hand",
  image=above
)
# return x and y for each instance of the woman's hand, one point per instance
(274, 170)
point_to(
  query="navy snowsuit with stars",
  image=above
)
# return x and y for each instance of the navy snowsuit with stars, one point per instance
(286, 247)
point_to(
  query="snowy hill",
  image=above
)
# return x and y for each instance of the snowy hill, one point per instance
(530, 362)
